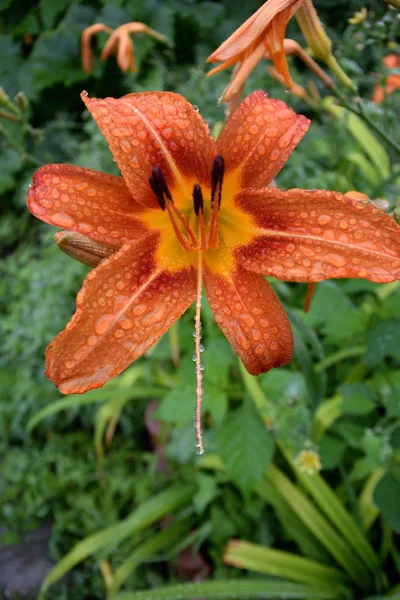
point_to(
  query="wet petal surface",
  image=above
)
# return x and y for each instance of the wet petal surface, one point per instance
(151, 129)
(250, 315)
(258, 139)
(314, 235)
(89, 202)
(124, 306)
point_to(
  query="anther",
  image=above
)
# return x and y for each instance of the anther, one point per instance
(197, 199)
(159, 186)
(217, 176)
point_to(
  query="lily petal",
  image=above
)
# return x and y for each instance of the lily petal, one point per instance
(251, 29)
(86, 201)
(151, 129)
(252, 318)
(258, 139)
(309, 236)
(124, 306)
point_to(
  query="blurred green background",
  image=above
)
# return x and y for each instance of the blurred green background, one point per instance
(80, 465)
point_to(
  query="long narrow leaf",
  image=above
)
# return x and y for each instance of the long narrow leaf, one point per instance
(93, 397)
(330, 504)
(146, 514)
(295, 527)
(144, 552)
(320, 527)
(278, 563)
(238, 588)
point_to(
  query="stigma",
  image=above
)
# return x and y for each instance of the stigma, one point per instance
(205, 235)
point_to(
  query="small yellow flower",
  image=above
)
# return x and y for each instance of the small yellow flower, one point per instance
(308, 462)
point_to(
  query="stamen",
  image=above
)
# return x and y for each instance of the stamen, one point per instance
(198, 209)
(159, 187)
(161, 191)
(199, 366)
(197, 199)
(217, 176)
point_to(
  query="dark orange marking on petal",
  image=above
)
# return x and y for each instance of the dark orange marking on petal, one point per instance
(124, 306)
(155, 129)
(252, 318)
(309, 236)
(258, 139)
(86, 201)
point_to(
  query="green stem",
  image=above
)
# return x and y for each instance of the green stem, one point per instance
(360, 112)
(338, 357)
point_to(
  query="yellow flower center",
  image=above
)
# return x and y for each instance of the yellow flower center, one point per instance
(202, 223)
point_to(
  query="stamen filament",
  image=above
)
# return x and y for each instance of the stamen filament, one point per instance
(182, 239)
(185, 224)
(199, 374)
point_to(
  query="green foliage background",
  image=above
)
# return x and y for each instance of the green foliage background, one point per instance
(347, 347)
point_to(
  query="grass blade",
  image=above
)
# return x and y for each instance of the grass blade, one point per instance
(320, 527)
(333, 508)
(277, 563)
(144, 552)
(236, 589)
(147, 513)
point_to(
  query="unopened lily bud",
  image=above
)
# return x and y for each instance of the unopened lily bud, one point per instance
(21, 101)
(319, 42)
(82, 248)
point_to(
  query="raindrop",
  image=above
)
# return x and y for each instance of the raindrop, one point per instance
(201, 348)
(202, 367)
(194, 358)
(196, 108)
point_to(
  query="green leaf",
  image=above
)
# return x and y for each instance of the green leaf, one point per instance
(245, 589)
(383, 341)
(144, 515)
(331, 451)
(356, 399)
(56, 58)
(295, 527)
(245, 446)
(386, 497)
(206, 491)
(92, 397)
(331, 505)
(49, 11)
(177, 406)
(144, 552)
(277, 563)
(320, 527)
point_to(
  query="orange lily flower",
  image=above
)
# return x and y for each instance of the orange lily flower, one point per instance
(392, 81)
(262, 33)
(119, 43)
(189, 210)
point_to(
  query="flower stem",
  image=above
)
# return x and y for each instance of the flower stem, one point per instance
(360, 112)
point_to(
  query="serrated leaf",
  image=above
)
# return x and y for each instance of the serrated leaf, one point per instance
(246, 447)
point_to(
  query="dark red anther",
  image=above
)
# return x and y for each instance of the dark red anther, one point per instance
(197, 199)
